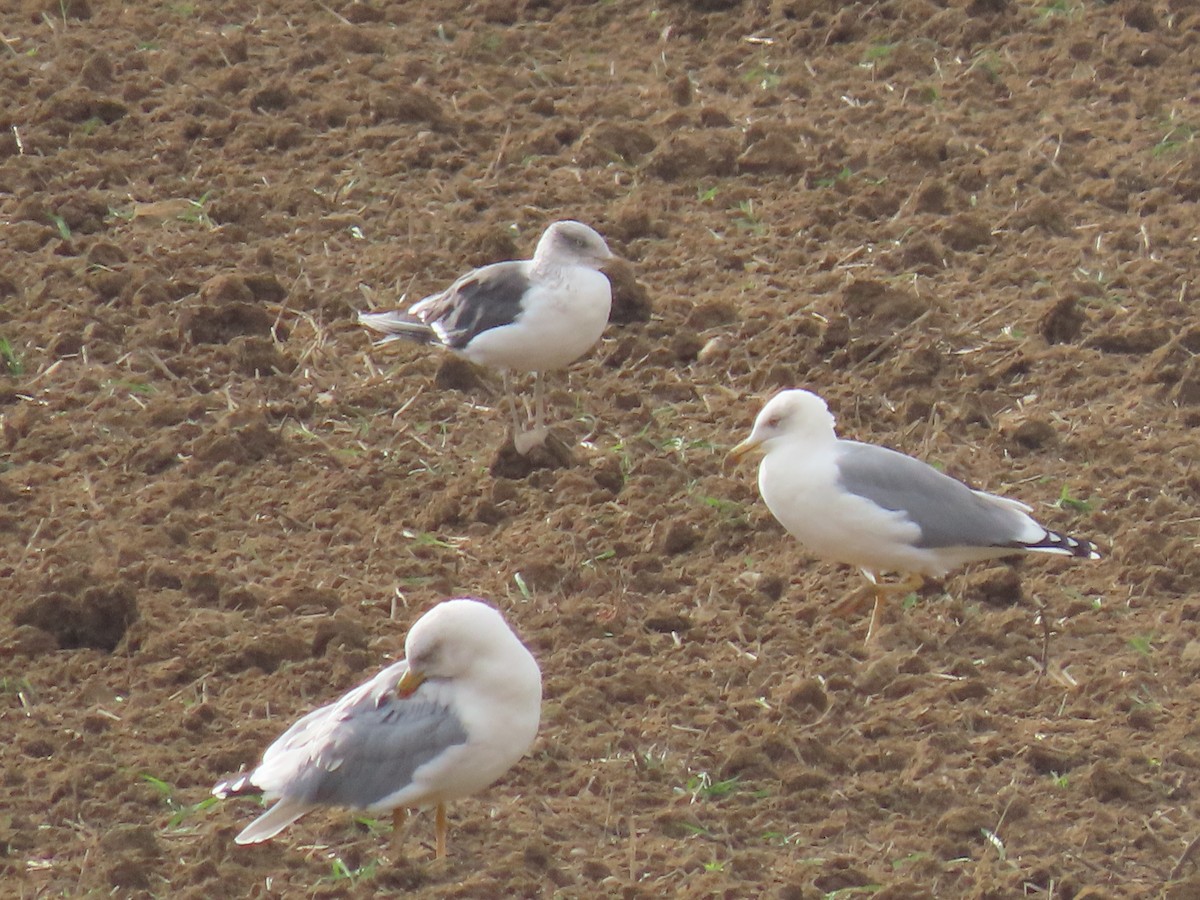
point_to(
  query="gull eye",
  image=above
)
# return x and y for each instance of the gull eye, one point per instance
(774, 421)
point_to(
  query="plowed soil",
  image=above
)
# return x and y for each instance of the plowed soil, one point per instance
(971, 226)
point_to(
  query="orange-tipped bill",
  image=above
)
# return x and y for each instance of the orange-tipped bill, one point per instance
(408, 683)
(742, 449)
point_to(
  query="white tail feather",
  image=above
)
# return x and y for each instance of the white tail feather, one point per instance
(273, 821)
(395, 325)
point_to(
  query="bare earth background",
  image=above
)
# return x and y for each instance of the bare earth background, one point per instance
(971, 226)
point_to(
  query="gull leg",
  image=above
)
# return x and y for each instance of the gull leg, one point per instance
(879, 594)
(399, 815)
(539, 402)
(536, 436)
(876, 611)
(440, 830)
(854, 601)
(512, 400)
(910, 583)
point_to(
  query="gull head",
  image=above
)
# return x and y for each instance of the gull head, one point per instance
(789, 414)
(459, 639)
(572, 243)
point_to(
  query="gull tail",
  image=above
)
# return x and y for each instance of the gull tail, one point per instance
(396, 325)
(1063, 545)
(273, 821)
(270, 823)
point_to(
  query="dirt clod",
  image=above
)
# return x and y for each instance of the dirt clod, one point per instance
(630, 298)
(511, 463)
(457, 374)
(1063, 321)
(877, 302)
(666, 619)
(679, 538)
(1035, 434)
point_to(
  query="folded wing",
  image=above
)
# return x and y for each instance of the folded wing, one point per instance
(365, 747)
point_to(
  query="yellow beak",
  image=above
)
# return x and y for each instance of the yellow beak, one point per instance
(408, 683)
(742, 449)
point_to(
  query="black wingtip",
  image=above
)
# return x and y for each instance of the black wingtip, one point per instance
(1064, 544)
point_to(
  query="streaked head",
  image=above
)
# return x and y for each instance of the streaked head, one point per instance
(792, 413)
(454, 640)
(569, 241)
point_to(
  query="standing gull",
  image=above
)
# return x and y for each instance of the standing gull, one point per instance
(528, 315)
(881, 510)
(445, 722)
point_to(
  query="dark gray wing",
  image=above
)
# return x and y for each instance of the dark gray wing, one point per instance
(362, 748)
(948, 512)
(481, 300)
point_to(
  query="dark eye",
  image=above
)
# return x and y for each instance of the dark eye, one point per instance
(773, 422)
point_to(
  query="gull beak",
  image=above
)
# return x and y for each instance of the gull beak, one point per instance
(750, 443)
(408, 683)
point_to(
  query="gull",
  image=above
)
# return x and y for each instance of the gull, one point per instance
(528, 315)
(881, 510)
(449, 719)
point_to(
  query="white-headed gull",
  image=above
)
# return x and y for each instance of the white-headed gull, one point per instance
(880, 510)
(452, 717)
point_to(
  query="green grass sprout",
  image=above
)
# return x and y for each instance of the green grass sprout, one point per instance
(10, 362)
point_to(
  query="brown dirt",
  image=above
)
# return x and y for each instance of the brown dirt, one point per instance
(970, 225)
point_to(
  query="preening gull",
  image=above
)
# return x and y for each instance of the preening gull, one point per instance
(880, 510)
(445, 722)
(528, 315)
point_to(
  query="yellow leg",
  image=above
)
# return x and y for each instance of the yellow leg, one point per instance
(853, 601)
(910, 583)
(399, 815)
(441, 831)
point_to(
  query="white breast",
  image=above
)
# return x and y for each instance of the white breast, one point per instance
(802, 492)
